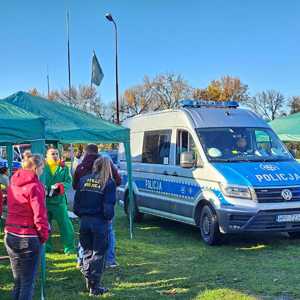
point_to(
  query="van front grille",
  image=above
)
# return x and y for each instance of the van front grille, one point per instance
(273, 195)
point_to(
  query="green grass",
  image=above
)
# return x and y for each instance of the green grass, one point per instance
(166, 260)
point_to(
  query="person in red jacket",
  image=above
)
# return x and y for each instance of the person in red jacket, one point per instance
(26, 227)
(1, 209)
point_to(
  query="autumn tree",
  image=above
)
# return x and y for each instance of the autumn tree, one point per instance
(269, 104)
(34, 92)
(294, 104)
(225, 89)
(138, 99)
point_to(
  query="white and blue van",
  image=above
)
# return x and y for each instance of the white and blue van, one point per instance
(215, 166)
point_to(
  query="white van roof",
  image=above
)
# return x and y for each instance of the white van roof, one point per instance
(222, 117)
(198, 117)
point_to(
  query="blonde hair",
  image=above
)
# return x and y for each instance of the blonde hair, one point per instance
(26, 154)
(32, 161)
(102, 170)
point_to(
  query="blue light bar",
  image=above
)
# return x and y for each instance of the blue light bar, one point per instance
(206, 103)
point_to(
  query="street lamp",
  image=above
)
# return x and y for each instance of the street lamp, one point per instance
(110, 18)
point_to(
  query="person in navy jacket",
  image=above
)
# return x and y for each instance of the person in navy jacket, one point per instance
(94, 203)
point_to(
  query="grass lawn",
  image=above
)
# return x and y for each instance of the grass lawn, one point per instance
(166, 260)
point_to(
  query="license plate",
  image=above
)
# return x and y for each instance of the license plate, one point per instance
(288, 218)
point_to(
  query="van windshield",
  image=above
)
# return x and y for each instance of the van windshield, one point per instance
(242, 144)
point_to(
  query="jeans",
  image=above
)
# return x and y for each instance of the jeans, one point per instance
(111, 255)
(94, 241)
(24, 254)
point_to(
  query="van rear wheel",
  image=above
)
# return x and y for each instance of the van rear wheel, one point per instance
(209, 226)
(136, 215)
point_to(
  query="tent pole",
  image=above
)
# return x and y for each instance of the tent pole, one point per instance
(39, 147)
(130, 191)
(10, 158)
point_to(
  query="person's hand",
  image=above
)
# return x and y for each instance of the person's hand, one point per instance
(43, 239)
(60, 187)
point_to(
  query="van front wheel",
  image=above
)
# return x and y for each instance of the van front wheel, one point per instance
(209, 226)
(136, 215)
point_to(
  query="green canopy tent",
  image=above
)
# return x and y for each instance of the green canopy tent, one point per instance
(66, 124)
(20, 126)
(287, 128)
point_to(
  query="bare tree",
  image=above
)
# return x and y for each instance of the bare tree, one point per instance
(109, 111)
(162, 92)
(268, 104)
(166, 90)
(84, 98)
(294, 104)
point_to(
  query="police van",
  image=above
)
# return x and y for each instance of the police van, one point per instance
(215, 166)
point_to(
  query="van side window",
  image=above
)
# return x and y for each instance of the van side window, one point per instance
(156, 147)
(185, 142)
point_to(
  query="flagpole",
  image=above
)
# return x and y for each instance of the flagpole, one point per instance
(94, 53)
(48, 82)
(69, 55)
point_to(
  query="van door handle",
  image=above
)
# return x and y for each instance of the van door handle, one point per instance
(174, 174)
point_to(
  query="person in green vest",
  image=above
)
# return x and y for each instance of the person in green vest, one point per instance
(57, 181)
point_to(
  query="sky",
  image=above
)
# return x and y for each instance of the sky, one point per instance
(257, 41)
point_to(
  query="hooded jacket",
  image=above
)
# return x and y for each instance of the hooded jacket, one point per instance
(86, 167)
(27, 213)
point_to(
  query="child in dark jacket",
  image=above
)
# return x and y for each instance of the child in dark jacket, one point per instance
(94, 203)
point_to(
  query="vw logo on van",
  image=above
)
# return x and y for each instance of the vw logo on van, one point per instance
(286, 194)
(268, 167)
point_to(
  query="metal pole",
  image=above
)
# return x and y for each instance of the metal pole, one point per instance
(111, 19)
(117, 75)
(48, 82)
(69, 57)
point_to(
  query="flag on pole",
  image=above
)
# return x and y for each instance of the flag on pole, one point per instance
(97, 73)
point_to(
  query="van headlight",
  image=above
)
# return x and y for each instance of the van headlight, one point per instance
(236, 191)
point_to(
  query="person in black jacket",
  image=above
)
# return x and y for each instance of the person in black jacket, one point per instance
(94, 203)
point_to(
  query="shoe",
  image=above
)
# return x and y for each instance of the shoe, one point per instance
(98, 291)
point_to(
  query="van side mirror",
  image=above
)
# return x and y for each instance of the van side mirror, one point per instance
(187, 159)
(200, 163)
